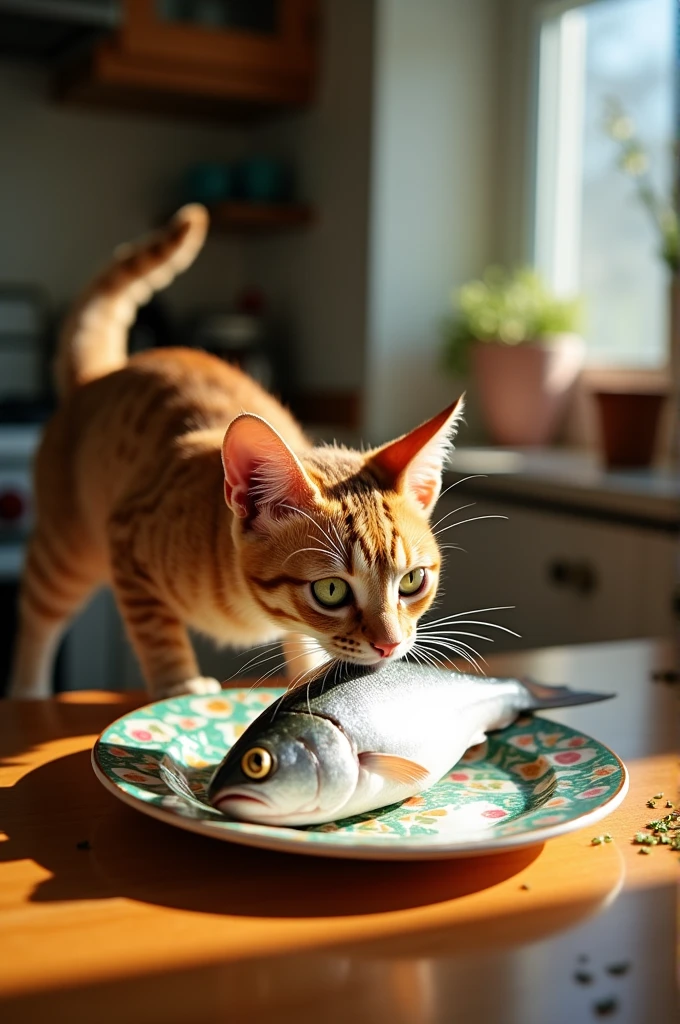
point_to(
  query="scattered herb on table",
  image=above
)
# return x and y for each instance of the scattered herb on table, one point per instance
(663, 831)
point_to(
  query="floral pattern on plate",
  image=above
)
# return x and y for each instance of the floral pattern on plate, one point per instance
(534, 775)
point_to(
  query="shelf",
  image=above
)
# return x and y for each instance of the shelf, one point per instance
(253, 218)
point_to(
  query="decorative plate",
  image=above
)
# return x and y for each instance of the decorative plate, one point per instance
(533, 781)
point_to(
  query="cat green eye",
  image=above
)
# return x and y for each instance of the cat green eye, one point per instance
(332, 592)
(412, 582)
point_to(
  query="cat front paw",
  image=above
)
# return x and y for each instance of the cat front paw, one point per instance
(198, 685)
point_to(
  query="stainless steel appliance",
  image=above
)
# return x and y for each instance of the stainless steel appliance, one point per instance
(93, 650)
(22, 344)
(17, 448)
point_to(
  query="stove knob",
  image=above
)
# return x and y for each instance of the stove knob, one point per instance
(12, 506)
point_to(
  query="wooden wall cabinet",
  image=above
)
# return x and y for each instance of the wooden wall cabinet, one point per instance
(173, 63)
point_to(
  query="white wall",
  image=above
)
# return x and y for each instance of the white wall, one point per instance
(74, 183)
(318, 276)
(434, 184)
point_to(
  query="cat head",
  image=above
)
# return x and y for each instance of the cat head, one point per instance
(336, 543)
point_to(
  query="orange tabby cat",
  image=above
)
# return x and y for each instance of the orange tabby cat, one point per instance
(325, 548)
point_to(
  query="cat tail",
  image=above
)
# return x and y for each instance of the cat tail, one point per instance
(93, 340)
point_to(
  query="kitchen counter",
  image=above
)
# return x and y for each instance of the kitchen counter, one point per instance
(570, 481)
(110, 916)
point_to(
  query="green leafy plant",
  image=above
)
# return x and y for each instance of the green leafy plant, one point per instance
(506, 307)
(634, 162)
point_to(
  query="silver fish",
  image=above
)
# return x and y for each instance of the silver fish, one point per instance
(366, 738)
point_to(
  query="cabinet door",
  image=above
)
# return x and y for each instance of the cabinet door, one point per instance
(658, 597)
(569, 580)
(269, 36)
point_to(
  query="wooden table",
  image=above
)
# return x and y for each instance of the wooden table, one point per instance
(153, 924)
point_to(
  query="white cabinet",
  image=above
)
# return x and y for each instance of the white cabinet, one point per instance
(571, 579)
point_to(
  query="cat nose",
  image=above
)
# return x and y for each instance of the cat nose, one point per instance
(385, 649)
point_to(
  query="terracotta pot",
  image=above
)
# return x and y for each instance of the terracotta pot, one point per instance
(523, 389)
(629, 423)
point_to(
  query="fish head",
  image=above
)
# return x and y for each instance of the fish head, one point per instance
(297, 769)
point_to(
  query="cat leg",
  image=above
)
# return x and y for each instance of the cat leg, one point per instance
(159, 638)
(55, 583)
(303, 656)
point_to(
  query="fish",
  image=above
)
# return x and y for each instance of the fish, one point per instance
(358, 738)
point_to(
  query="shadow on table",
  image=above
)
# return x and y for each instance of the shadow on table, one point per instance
(25, 724)
(119, 852)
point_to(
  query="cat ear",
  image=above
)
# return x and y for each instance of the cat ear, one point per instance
(260, 469)
(415, 461)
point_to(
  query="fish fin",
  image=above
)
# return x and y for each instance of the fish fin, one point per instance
(559, 696)
(393, 767)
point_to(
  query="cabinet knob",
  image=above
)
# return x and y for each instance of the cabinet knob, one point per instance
(675, 603)
(579, 577)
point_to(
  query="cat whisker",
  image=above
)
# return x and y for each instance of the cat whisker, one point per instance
(473, 519)
(335, 665)
(338, 550)
(476, 611)
(335, 531)
(461, 652)
(446, 642)
(452, 513)
(487, 625)
(269, 648)
(324, 551)
(425, 655)
(284, 663)
(257, 662)
(455, 632)
(473, 476)
(298, 681)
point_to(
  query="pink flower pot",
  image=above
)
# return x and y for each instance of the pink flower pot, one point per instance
(628, 425)
(524, 389)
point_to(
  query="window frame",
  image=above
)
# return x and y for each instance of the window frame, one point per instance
(595, 375)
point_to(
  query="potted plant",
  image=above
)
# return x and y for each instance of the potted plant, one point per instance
(524, 350)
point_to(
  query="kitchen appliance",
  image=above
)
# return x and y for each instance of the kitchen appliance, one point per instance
(18, 444)
(93, 648)
(22, 344)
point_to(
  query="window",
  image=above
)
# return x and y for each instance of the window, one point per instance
(591, 233)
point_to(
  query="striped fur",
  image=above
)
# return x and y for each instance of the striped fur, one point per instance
(131, 480)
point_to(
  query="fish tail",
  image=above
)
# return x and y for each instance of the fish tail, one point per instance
(93, 341)
(541, 696)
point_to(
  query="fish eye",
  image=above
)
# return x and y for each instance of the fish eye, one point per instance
(332, 592)
(412, 582)
(256, 763)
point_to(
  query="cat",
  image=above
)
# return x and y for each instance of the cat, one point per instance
(191, 491)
